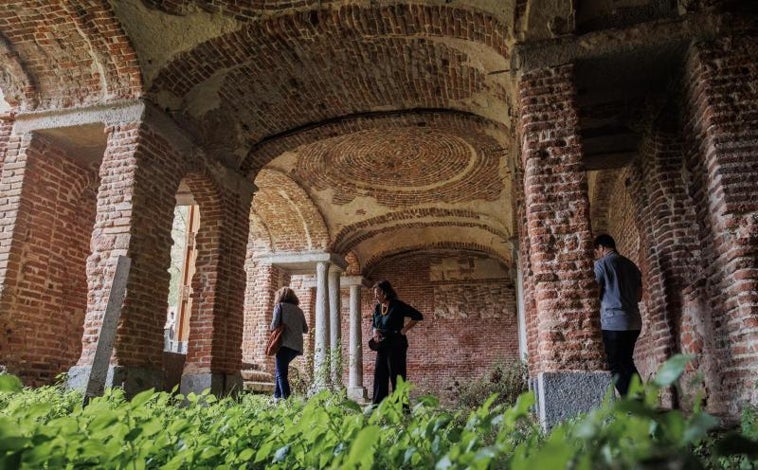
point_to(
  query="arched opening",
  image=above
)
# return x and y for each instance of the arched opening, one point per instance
(176, 329)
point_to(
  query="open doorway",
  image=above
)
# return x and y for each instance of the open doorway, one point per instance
(182, 268)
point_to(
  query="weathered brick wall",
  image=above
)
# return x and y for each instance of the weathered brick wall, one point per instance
(721, 130)
(469, 307)
(262, 282)
(140, 175)
(46, 291)
(557, 223)
(96, 64)
(218, 285)
(6, 126)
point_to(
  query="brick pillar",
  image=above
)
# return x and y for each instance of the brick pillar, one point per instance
(722, 126)
(669, 256)
(13, 149)
(262, 282)
(6, 127)
(135, 205)
(571, 376)
(214, 352)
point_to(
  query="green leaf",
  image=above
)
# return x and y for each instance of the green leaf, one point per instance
(141, 398)
(672, 369)
(246, 455)
(361, 452)
(10, 383)
(698, 427)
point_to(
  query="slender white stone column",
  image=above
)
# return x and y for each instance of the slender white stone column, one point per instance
(320, 364)
(335, 349)
(355, 389)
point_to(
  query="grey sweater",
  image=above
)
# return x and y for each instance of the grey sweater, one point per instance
(620, 284)
(294, 325)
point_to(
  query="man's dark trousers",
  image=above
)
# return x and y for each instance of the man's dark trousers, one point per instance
(619, 349)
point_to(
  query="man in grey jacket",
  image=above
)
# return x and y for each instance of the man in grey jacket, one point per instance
(620, 282)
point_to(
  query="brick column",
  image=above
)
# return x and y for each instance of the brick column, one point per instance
(570, 378)
(721, 79)
(135, 203)
(664, 212)
(214, 353)
(13, 150)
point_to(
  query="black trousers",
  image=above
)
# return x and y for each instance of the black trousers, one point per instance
(619, 349)
(390, 363)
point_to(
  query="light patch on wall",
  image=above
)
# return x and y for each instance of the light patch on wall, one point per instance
(454, 302)
(465, 268)
(4, 106)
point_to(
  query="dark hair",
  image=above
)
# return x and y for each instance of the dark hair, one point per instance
(605, 240)
(386, 287)
(287, 295)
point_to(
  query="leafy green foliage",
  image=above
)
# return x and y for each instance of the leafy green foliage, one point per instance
(49, 428)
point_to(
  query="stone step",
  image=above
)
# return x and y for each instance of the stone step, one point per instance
(262, 387)
(251, 375)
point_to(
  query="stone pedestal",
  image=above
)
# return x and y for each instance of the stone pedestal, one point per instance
(563, 395)
(132, 379)
(218, 383)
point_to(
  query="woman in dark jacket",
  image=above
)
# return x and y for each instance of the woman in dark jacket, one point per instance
(295, 326)
(389, 334)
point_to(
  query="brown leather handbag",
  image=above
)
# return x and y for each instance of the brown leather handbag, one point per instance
(275, 338)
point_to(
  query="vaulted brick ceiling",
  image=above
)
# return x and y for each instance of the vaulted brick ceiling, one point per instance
(393, 120)
(371, 128)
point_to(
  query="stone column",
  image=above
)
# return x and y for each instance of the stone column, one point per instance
(355, 388)
(321, 337)
(335, 348)
(571, 376)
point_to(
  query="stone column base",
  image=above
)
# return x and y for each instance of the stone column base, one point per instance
(218, 383)
(563, 395)
(132, 379)
(357, 394)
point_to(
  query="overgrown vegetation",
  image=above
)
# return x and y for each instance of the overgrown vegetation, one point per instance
(507, 378)
(49, 428)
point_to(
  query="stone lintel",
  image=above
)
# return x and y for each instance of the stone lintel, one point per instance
(218, 383)
(347, 281)
(564, 395)
(303, 262)
(614, 42)
(106, 114)
(132, 379)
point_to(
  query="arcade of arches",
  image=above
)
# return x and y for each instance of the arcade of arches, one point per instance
(467, 150)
